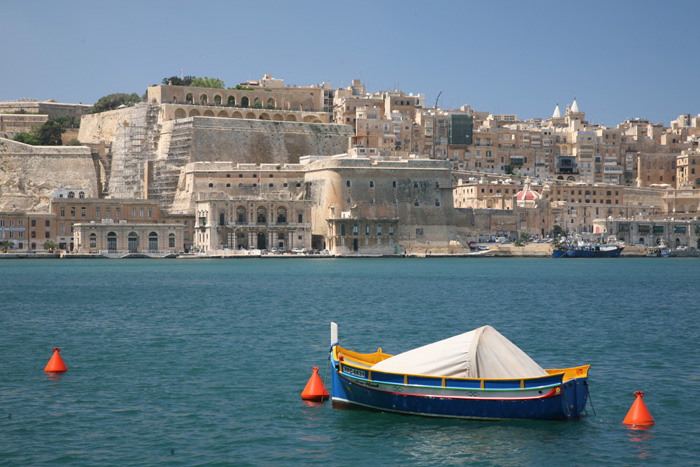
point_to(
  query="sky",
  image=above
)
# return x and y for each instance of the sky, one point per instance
(619, 59)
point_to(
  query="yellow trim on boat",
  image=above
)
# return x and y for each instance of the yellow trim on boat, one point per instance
(367, 360)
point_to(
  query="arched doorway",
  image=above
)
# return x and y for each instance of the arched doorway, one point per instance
(133, 242)
(112, 241)
(678, 242)
(261, 241)
(354, 245)
(245, 102)
(153, 241)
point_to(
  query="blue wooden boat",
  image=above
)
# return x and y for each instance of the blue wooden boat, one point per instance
(371, 381)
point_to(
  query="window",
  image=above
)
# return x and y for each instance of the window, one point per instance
(300, 218)
(391, 230)
(415, 184)
(347, 183)
(394, 183)
(33, 222)
(72, 212)
(83, 212)
(118, 212)
(93, 240)
(150, 212)
(140, 212)
(379, 230)
(82, 193)
(416, 203)
(211, 185)
(371, 183)
(47, 223)
(367, 229)
(133, 212)
(355, 230)
(63, 212)
(342, 229)
(108, 212)
(437, 202)
(171, 240)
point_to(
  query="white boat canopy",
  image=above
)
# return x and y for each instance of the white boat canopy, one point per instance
(481, 353)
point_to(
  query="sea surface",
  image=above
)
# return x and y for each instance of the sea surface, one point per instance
(202, 362)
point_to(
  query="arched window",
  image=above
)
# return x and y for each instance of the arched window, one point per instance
(270, 103)
(171, 240)
(241, 215)
(81, 194)
(203, 99)
(281, 216)
(245, 102)
(232, 100)
(262, 215)
(71, 194)
(190, 98)
(217, 99)
(93, 240)
(257, 103)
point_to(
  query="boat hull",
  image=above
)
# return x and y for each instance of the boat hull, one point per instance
(550, 401)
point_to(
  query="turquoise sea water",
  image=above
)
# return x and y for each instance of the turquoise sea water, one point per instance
(202, 362)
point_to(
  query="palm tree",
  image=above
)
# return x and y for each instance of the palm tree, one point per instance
(49, 245)
(5, 245)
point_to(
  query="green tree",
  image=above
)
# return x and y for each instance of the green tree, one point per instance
(27, 138)
(207, 82)
(5, 245)
(49, 245)
(49, 133)
(112, 101)
(557, 230)
(177, 81)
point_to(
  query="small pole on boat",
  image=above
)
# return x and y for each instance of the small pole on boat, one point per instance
(638, 414)
(315, 389)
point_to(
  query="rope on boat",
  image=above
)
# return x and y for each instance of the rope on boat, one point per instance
(566, 402)
(588, 389)
(325, 375)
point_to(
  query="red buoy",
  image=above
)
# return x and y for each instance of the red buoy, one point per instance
(639, 414)
(56, 364)
(315, 389)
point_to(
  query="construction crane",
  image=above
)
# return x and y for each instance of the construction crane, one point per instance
(437, 99)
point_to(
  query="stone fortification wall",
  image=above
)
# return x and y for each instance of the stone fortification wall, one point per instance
(148, 155)
(416, 192)
(11, 124)
(206, 139)
(52, 109)
(262, 141)
(30, 174)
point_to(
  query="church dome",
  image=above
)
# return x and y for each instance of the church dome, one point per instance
(527, 195)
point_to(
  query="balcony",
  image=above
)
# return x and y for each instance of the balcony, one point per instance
(613, 170)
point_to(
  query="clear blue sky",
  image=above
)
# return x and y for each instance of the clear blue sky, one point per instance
(620, 59)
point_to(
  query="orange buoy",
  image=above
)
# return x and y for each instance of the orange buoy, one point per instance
(315, 389)
(639, 414)
(56, 364)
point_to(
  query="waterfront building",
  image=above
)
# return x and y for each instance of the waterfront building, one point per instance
(111, 238)
(72, 210)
